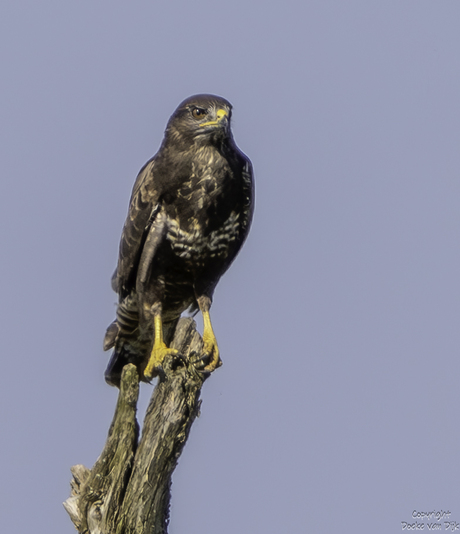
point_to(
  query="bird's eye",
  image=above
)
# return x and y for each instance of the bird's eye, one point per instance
(199, 113)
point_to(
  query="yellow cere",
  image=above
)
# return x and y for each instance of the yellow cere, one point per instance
(221, 113)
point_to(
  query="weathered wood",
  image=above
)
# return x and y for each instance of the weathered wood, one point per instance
(128, 489)
(98, 494)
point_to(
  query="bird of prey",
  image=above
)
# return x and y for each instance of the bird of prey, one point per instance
(189, 214)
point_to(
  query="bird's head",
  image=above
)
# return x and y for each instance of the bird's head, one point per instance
(201, 118)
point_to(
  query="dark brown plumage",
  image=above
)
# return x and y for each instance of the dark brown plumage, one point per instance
(189, 214)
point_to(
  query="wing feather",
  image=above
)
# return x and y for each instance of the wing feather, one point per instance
(143, 210)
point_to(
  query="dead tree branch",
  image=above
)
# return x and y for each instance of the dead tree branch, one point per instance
(128, 489)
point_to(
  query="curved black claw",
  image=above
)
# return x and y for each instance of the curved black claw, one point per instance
(202, 360)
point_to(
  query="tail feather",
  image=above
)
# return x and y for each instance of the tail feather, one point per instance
(112, 374)
(119, 358)
(129, 348)
(111, 335)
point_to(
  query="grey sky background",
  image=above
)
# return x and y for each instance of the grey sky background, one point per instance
(337, 408)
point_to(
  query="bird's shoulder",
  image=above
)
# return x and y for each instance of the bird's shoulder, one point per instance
(145, 187)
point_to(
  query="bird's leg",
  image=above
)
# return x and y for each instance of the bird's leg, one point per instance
(159, 350)
(210, 348)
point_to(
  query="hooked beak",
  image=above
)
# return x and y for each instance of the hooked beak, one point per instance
(220, 115)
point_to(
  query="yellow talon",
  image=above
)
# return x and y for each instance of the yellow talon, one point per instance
(210, 347)
(159, 350)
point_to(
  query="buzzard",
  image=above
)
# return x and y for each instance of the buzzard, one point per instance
(189, 214)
